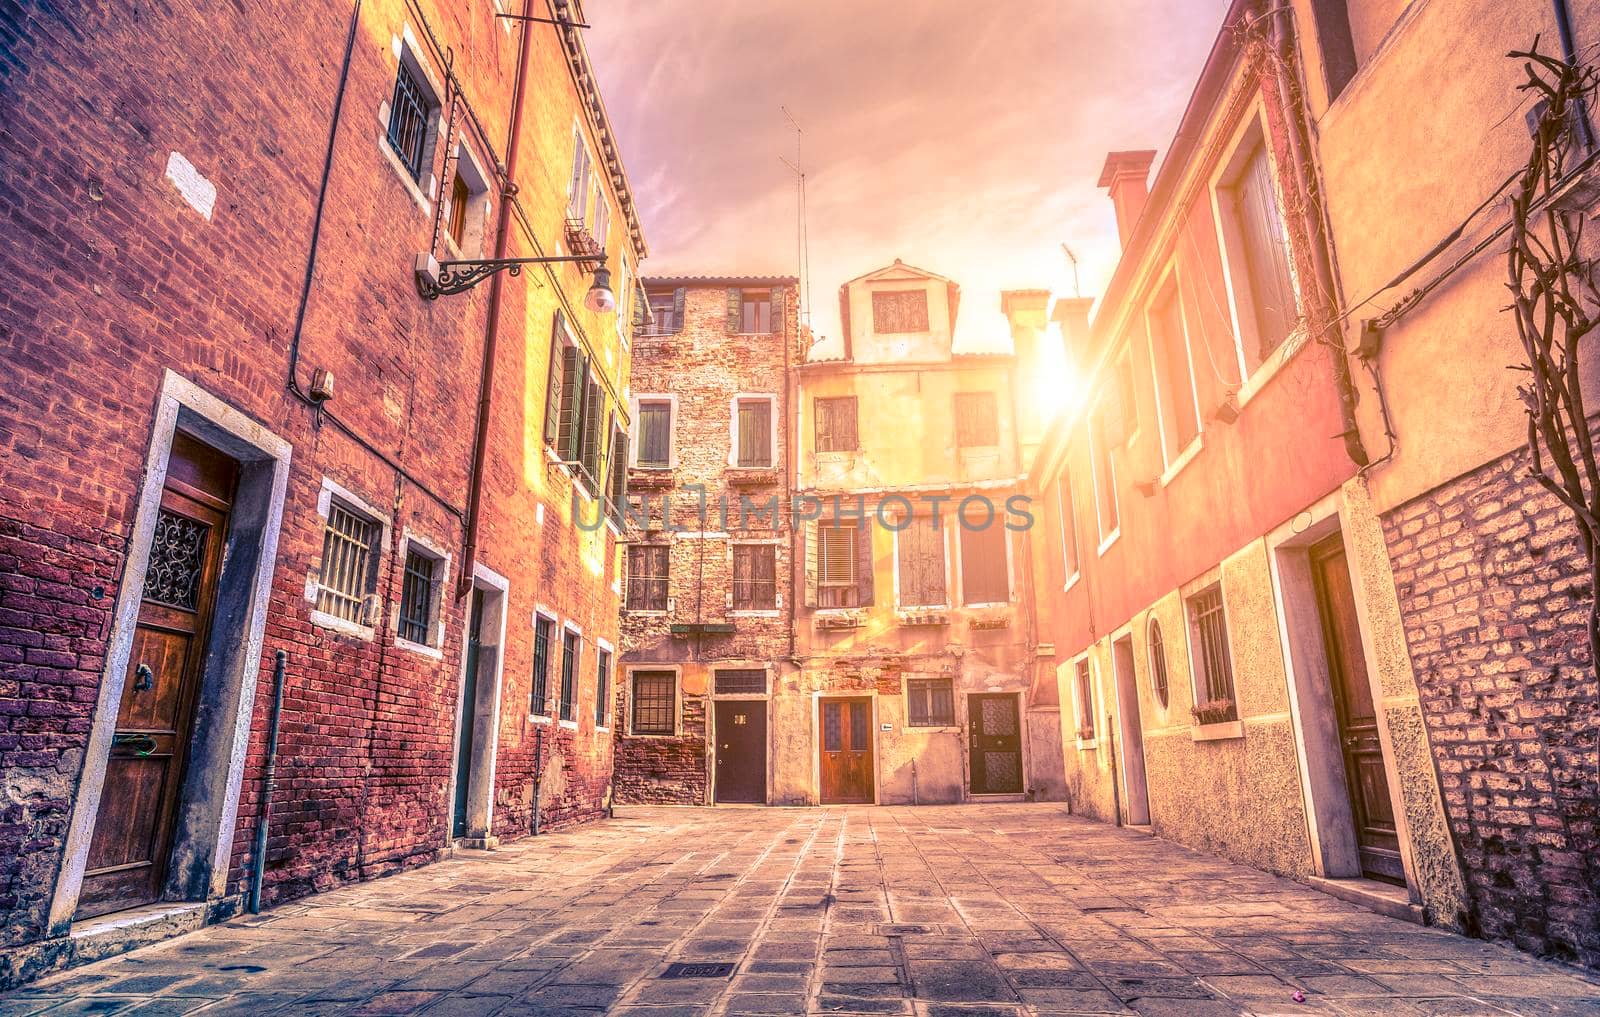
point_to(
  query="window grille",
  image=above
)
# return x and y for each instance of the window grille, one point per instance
(1210, 622)
(408, 120)
(1158, 662)
(347, 573)
(416, 597)
(653, 696)
(602, 686)
(836, 424)
(976, 421)
(1085, 701)
(836, 566)
(930, 702)
(755, 577)
(741, 680)
(542, 630)
(569, 675)
(647, 577)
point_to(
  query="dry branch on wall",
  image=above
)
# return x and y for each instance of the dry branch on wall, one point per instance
(1555, 300)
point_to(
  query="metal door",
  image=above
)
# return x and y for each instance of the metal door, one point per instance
(996, 737)
(741, 731)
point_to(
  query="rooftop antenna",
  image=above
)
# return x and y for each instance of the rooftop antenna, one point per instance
(1074, 259)
(802, 252)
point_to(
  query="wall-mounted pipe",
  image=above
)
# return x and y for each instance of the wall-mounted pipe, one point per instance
(269, 783)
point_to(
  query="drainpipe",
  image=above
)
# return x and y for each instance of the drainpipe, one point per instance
(491, 327)
(538, 774)
(1314, 221)
(1569, 53)
(1116, 792)
(269, 783)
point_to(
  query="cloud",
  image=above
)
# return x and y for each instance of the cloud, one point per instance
(963, 138)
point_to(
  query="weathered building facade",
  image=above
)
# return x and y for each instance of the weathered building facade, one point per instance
(708, 608)
(234, 433)
(915, 661)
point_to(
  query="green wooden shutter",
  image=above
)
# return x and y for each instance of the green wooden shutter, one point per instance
(569, 404)
(864, 563)
(677, 309)
(779, 298)
(555, 390)
(593, 416)
(735, 309)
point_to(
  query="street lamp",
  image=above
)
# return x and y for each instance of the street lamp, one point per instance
(600, 299)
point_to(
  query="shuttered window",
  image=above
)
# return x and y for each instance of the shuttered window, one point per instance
(655, 434)
(539, 699)
(647, 577)
(654, 693)
(836, 424)
(1266, 253)
(754, 433)
(1085, 700)
(1170, 360)
(900, 311)
(578, 183)
(1208, 624)
(666, 311)
(985, 577)
(755, 577)
(349, 563)
(836, 566)
(976, 423)
(755, 312)
(590, 449)
(930, 702)
(602, 686)
(618, 493)
(569, 674)
(919, 555)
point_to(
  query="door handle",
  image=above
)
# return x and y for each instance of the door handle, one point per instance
(145, 743)
(143, 678)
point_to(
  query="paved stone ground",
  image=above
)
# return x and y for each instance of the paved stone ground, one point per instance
(940, 912)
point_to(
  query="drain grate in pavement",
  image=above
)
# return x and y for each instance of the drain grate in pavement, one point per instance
(679, 969)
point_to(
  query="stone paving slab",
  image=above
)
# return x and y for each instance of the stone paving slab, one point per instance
(950, 911)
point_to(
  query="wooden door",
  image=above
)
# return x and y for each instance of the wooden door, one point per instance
(133, 829)
(741, 751)
(1365, 775)
(847, 776)
(469, 715)
(995, 744)
(1130, 728)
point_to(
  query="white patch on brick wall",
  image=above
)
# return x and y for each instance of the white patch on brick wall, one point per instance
(200, 193)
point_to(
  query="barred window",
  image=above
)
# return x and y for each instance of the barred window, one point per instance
(409, 112)
(653, 702)
(416, 597)
(1208, 621)
(349, 564)
(1158, 662)
(836, 566)
(755, 577)
(836, 424)
(569, 675)
(930, 702)
(543, 629)
(976, 423)
(647, 577)
(740, 680)
(602, 686)
(900, 311)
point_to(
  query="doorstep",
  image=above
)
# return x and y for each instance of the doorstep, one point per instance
(105, 936)
(1384, 898)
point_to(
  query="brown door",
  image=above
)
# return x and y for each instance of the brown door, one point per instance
(1370, 805)
(847, 751)
(996, 744)
(134, 826)
(741, 751)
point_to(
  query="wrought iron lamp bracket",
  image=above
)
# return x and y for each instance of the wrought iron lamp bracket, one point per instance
(437, 279)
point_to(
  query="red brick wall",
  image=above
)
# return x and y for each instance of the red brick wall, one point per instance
(1493, 589)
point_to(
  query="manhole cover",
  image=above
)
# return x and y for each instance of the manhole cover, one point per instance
(684, 970)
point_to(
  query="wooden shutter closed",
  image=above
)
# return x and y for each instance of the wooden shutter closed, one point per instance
(555, 389)
(811, 562)
(593, 420)
(778, 297)
(921, 561)
(677, 309)
(655, 434)
(1266, 254)
(619, 469)
(735, 309)
(755, 432)
(640, 304)
(864, 583)
(984, 574)
(571, 404)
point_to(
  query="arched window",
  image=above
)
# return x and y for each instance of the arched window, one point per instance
(1158, 662)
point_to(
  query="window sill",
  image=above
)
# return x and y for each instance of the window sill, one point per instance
(934, 728)
(1087, 744)
(773, 613)
(334, 623)
(534, 718)
(1072, 581)
(602, 729)
(420, 649)
(645, 612)
(1225, 731)
(412, 187)
(1185, 457)
(1108, 540)
(646, 734)
(1298, 339)
(570, 725)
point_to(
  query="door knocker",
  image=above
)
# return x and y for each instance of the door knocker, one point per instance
(143, 678)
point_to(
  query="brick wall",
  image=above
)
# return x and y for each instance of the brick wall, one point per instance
(1493, 589)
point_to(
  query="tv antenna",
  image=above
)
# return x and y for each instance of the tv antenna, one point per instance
(802, 247)
(1074, 259)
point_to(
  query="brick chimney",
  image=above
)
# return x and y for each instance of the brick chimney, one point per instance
(1125, 175)
(1025, 311)
(1072, 315)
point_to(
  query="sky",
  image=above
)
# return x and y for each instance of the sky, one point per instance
(965, 138)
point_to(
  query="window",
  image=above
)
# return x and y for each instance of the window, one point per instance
(837, 580)
(543, 629)
(575, 410)
(755, 577)
(1208, 631)
(417, 585)
(1177, 413)
(734, 681)
(460, 196)
(570, 648)
(666, 311)
(919, 557)
(578, 183)
(647, 577)
(1105, 476)
(602, 226)
(976, 425)
(1257, 250)
(1068, 509)
(1127, 401)
(1084, 696)
(618, 494)
(755, 312)
(654, 694)
(1158, 662)
(985, 578)
(752, 432)
(930, 702)
(410, 113)
(900, 311)
(349, 564)
(655, 434)
(602, 685)
(836, 424)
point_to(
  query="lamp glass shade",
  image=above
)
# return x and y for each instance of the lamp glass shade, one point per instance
(600, 299)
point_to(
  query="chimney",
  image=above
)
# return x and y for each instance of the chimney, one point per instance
(1124, 175)
(1025, 310)
(1072, 314)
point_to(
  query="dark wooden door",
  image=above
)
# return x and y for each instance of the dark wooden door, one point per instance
(847, 776)
(133, 829)
(741, 750)
(469, 715)
(996, 744)
(1370, 804)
